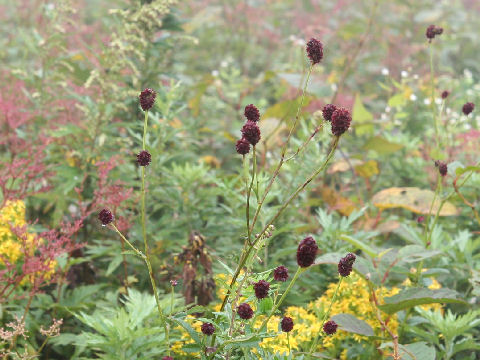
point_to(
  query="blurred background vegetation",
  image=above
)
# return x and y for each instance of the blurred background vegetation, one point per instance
(70, 77)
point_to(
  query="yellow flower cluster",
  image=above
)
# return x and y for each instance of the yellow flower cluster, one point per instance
(353, 297)
(177, 346)
(12, 214)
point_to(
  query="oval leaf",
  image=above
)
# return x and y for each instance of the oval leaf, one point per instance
(418, 296)
(350, 323)
(413, 199)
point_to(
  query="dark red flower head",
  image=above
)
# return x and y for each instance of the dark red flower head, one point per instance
(341, 119)
(252, 113)
(330, 327)
(261, 289)
(251, 132)
(280, 273)
(167, 358)
(245, 311)
(306, 252)
(432, 31)
(445, 94)
(208, 329)
(468, 108)
(144, 158)
(243, 146)
(314, 50)
(345, 265)
(328, 111)
(147, 99)
(442, 167)
(105, 216)
(287, 324)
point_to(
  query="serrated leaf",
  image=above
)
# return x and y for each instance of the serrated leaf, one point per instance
(350, 323)
(265, 305)
(418, 296)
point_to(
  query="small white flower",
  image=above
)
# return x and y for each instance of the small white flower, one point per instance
(448, 110)
(415, 76)
(334, 87)
(385, 71)
(438, 101)
(426, 101)
(224, 64)
(215, 73)
(384, 116)
(413, 97)
(387, 109)
(404, 74)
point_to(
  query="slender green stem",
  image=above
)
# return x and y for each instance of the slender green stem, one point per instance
(145, 242)
(245, 254)
(325, 317)
(284, 150)
(289, 346)
(428, 229)
(172, 300)
(277, 305)
(427, 220)
(432, 97)
(139, 253)
(249, 192)
(145, 125)
(43, 345)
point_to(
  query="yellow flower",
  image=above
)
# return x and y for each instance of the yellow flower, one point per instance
(353, 298)
(12, 214)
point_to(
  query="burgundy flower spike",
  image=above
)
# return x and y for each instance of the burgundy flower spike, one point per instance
(147, 99)
(287, 324)
(252, 113)
(251, 132)
(280, 273)
(105, 216)
(306, 252)
(315, 51)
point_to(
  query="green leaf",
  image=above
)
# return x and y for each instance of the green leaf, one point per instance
(397, 100)
(463, 170)
(360, 245)
(382, 145)
(129, 252)
(418, 296)
(362, 118)
(415, 351)
(265, 305)
(350, 323)
(229, 270)
(193, 334)
(247, 341)
(116, 261)
(415, 253)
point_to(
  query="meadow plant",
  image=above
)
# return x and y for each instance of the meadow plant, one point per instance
(232, 333)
